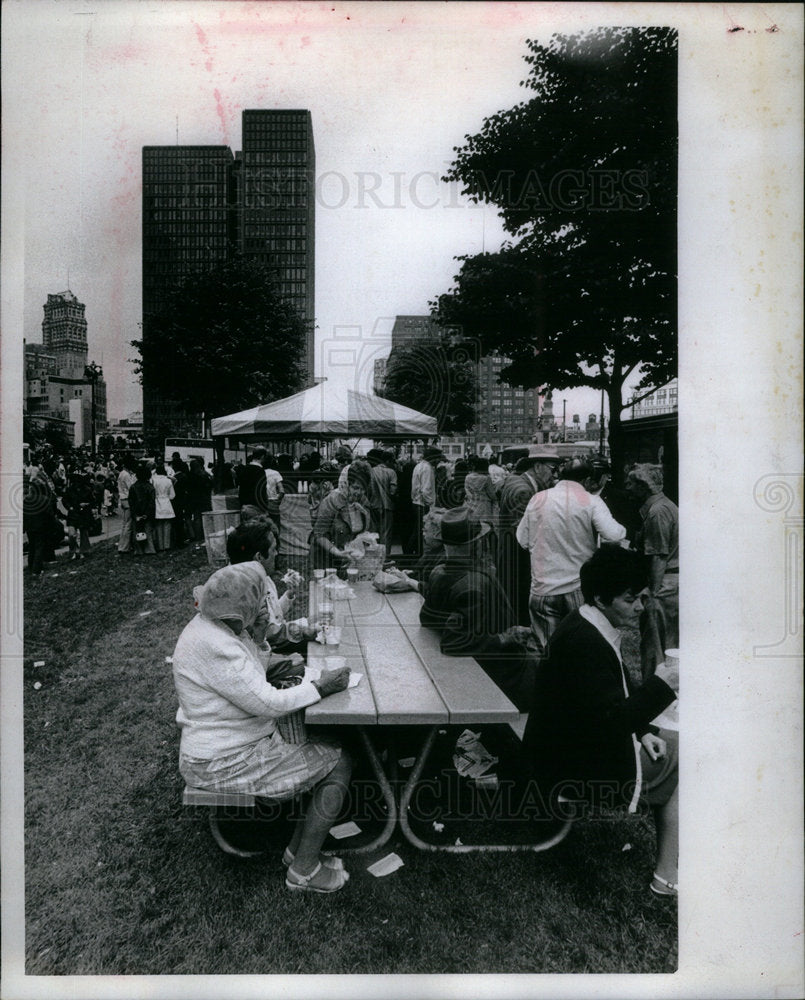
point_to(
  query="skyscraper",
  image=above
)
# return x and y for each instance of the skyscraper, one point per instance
(188, 226)
(64, 333)
(202, 205)
(276, 205)
(503, 413)
(57, 389)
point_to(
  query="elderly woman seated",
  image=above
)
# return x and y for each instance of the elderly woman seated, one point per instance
(228, 715)
(589, 735)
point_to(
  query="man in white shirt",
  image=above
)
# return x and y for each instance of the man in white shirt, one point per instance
(423, 492)
(125, 481)
(561, 529)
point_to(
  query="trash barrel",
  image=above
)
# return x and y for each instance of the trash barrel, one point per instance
(217, 526)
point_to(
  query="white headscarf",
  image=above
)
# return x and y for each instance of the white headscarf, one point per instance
(234, 592)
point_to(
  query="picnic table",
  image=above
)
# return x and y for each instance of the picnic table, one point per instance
(407, 680)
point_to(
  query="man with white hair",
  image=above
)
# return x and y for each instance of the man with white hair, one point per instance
(561, 528)
(659, 540)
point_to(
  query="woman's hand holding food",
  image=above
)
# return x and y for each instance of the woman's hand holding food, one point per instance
(332, 681)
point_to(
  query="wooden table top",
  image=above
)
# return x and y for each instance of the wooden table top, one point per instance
(406, 678)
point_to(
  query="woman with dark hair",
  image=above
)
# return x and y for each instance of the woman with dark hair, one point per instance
(78, 500)
(228, 715)
(342, 515)
(142, 502)
(257, 541)
(589, 735)
(198, 497)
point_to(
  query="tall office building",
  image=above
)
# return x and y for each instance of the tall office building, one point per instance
(64, 333)
(504, 414)
(56, 388)
(187, 227)
(277, 206)
(203, 204)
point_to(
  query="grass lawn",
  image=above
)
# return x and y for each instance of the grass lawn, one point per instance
(121, 880)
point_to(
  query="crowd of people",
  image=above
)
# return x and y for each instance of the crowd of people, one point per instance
(533, 571)
(67, 496)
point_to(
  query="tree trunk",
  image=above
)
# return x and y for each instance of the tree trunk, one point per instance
(616, 449)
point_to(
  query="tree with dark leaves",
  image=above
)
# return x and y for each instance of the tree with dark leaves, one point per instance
(437, 378)
(584, 176)
(225, 340)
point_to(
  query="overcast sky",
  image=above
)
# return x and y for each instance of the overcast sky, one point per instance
(392, 89)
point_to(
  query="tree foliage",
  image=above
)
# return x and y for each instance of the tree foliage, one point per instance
(225, 340)
(584, 176)
(437, 378)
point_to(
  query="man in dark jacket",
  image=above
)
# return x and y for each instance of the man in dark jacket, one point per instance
(464, 601)
(589, 736)
(252, 481)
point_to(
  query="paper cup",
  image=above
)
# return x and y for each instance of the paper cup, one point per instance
(335, 662)
(333, 635)
(352, 575)
(672, 658)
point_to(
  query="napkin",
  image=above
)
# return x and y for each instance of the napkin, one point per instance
(344, 830)
(385, 866)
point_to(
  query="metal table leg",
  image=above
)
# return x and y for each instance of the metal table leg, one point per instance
(224, 844)
(423, 845)
(388, 795)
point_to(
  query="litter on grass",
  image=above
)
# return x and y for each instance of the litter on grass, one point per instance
(406, 761)
(149, 592)
(169, 659)
(438, 827)
(144, 614)
(471, 758)
(37, 685)
(385, 866)
(39, 663)
(626, 847)
(345, 830)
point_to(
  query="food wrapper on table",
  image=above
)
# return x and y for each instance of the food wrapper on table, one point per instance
(366, 554)
(394, 581)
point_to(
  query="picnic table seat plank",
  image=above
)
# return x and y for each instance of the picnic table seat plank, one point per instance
(471, 696)
(404, 692)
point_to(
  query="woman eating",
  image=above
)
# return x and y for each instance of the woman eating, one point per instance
(227, 715)
(257, 541)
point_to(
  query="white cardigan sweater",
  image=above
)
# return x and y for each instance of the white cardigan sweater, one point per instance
(225, 701)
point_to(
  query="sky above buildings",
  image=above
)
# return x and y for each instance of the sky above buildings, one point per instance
(392, 89)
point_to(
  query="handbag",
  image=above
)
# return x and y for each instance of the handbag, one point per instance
(291, 727)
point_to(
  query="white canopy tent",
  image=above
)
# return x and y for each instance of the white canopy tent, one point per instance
(327, 411)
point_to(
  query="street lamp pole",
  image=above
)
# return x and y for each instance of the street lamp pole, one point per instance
(601, 428)
(564, 420)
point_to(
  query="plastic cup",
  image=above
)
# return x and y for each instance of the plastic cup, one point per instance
(318, 574)
(333, 635)
(352, 575)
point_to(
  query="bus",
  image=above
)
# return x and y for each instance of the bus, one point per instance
(201, 448)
